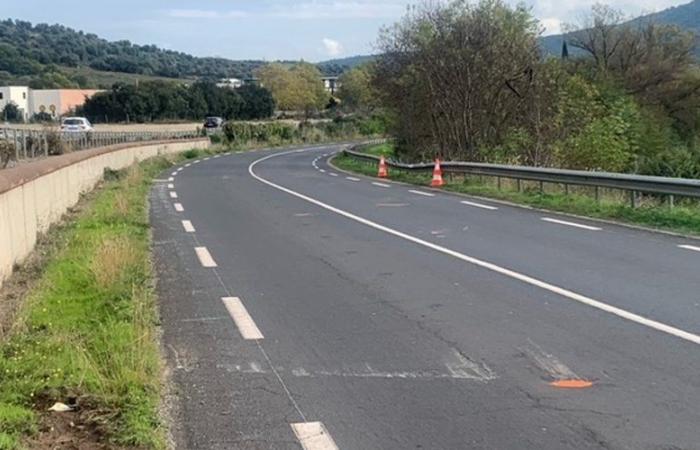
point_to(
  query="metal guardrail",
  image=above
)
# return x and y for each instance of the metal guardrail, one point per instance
(30, 144)
(627, 182)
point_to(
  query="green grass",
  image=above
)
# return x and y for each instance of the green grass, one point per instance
(87, 329)
(683, 218)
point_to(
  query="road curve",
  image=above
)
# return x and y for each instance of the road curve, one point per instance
(303, 307)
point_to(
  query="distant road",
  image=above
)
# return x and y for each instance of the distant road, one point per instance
(305, 307)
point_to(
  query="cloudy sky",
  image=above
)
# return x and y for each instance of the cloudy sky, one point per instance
(265, 29)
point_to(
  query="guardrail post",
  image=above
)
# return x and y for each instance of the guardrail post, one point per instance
(671, 200)
(597, 194)
(541, 187)
(633, 199)
(498, 182)
(519, 184)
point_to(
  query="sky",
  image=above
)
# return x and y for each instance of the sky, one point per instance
(313, 30)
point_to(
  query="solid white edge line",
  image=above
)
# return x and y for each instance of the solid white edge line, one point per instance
(187, 225)
(178, 207)
(239, 314)
(650, 323)
(205, 257)
(313, 436)
(478, 205)
(570, 224)
(426, 194)
(690, 247)
(173, 194)
(381, 184)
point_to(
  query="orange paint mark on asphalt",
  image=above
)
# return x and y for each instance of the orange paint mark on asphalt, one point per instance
(571, 384)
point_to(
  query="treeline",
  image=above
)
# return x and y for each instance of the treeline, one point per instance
(160, 101)
(469, 82)
(38, 54)
(26, 48)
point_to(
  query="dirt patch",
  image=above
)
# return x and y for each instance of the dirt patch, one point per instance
(83, 428)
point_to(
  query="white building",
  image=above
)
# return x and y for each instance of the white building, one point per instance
(19, 95)
(233, 83)
(332, 84)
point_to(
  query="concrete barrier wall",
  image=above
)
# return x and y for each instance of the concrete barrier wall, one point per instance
(36, 195)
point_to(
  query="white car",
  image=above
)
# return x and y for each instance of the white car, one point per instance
(76, 124)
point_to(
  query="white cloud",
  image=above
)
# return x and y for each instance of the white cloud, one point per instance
(357, 9)
(205, 14)
(551, 25)
(333, 47)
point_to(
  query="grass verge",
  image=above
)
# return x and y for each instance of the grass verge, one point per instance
(85, 334)
(683, 218)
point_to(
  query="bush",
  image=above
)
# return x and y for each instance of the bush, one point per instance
(7, 153)
(55, 143)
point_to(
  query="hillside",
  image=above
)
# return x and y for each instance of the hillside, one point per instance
(338, 66)
(684, 16)
(54, 55)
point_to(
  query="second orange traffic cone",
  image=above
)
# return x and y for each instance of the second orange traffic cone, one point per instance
(437, 175)
(383, 170)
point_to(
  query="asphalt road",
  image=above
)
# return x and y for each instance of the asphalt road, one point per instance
(304, 307)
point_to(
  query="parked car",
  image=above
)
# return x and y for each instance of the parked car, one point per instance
(76, 124)
(212, 123)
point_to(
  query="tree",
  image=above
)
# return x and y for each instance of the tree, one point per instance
(457, 74)
(356, 89)
(258, 102)
(298, 88)
(12, 113)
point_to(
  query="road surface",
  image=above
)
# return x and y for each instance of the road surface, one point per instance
(304, 307)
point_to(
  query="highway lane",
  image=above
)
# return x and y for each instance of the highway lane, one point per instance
(393, 345)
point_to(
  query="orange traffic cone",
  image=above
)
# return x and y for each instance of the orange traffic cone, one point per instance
(437, 175)
(383, 170)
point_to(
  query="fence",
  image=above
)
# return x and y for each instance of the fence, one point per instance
(29, 144)
(634, 184)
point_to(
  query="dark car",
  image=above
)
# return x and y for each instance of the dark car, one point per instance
(213, 122)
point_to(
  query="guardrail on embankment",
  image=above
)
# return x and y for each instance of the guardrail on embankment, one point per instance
(32, 144)
(634, 184)
(37, 194)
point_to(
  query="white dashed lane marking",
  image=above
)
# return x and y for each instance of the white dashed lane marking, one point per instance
(333, 174)
(381, 184)
(171, 186)
(352, 178)
(173, 194)
(313, 436)
(571, 224)
(205, 257)
(243, 321)
(426, 194)
(178, 207)
(478, 205)
(187, 225)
